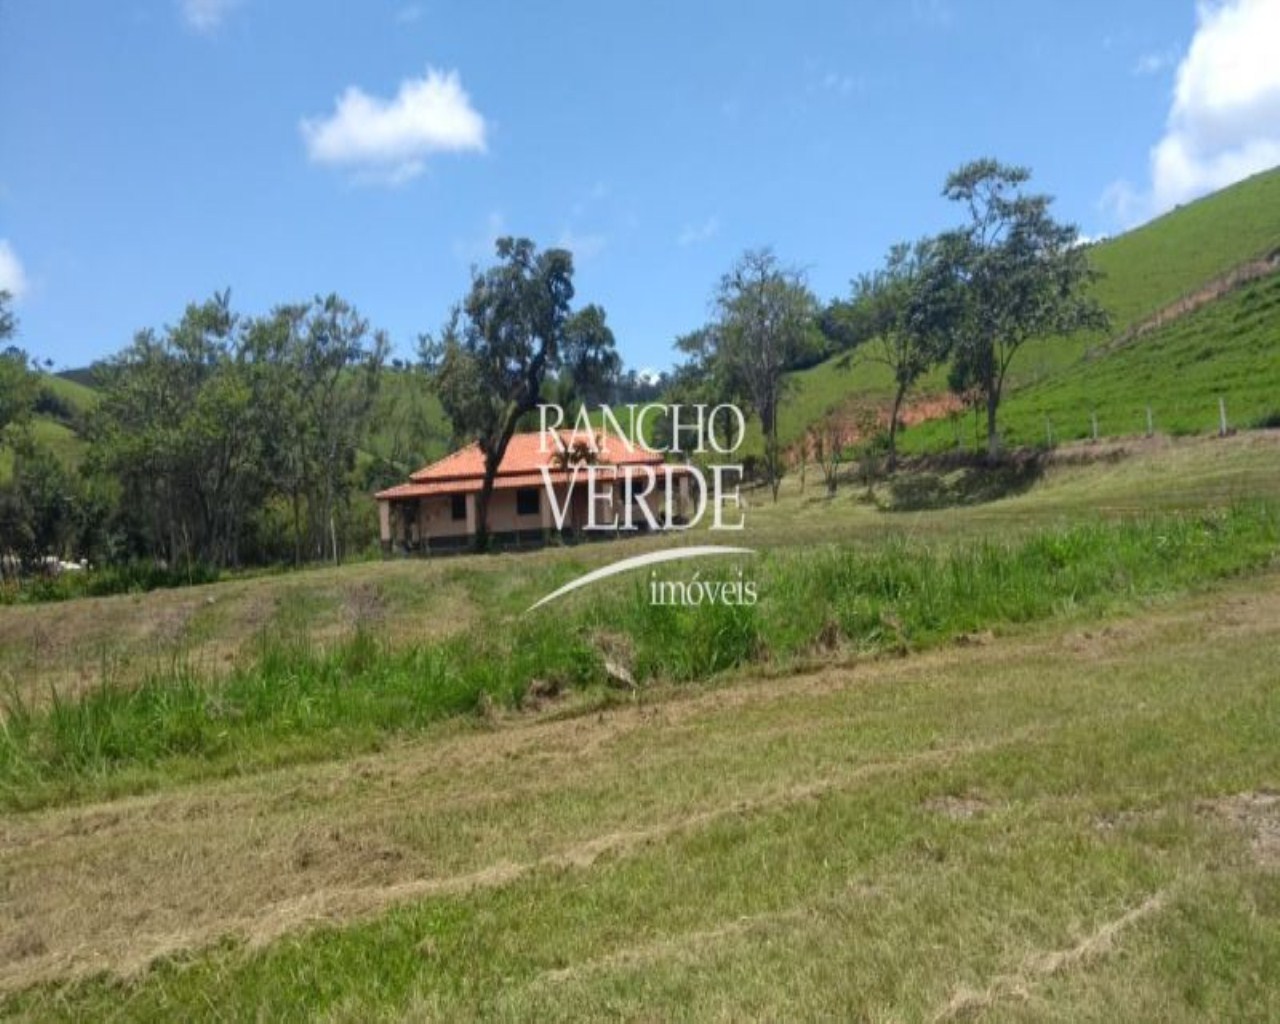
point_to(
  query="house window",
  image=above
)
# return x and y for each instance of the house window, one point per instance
(458, 507)
(527, 501)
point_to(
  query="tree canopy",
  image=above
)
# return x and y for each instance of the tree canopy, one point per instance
(513, 330)
(765, 325)
(1021, 275)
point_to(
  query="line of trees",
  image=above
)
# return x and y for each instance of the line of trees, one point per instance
(227, 439)
(217, 441)
(970, 297)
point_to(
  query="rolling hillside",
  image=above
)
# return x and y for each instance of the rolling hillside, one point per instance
(62, 405)
(1229, 348)
(1181, 367)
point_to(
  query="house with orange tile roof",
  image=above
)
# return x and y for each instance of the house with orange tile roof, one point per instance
(546, 484)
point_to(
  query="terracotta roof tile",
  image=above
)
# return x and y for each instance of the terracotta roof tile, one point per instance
(525, 454)
(523, 470)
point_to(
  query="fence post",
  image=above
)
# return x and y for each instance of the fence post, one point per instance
(1094, 417)
(1150, 423)
(1048, 431)
(1222, 416)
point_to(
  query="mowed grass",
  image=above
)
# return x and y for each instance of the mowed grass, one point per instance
(1068, 823)
(1014, 760)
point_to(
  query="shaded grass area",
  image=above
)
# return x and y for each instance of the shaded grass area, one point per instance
(295, 702)
(1044, 847)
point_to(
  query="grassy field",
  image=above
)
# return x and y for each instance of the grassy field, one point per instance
(1228, 349)
(1068, 821)
(52, 432)
(78, 395)
(1015, 759)
(999, 745)
(79, 645)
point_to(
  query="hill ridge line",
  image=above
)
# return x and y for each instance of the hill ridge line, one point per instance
(1216, 288)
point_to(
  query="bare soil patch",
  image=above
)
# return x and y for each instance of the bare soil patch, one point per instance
(1257, 815)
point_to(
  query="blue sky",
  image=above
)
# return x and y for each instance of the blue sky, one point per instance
(152, 152)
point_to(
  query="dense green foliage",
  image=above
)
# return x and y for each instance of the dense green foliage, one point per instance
(217, 441)
(766, 324)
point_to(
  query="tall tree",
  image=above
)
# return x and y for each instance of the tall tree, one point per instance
(1022, 275)
(276, 348)
(340, 372)
(904, 315)
(514, 328)
(173, 428)
(764, 327)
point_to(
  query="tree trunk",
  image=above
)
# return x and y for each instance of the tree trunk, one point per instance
(892, 461)
(772, 457)
(297, 529)
(993, 434)
(483, 498)
(481, 543)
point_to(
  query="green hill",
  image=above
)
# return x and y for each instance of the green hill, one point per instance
(1229, 345)
(74, 390)
(60, 410)
(1229, 349)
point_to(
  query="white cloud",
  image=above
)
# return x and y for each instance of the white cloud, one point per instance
(207, 15)
(387, 141)
(694, 234)
(1224, 124)
(13, 278)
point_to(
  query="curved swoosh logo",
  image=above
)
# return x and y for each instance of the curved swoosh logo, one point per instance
(639, 562)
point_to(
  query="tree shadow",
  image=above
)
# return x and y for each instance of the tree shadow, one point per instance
(961, 479)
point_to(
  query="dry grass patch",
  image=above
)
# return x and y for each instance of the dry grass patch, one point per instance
(115, 885)
(1257, 815)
